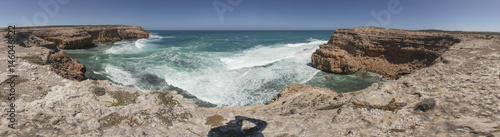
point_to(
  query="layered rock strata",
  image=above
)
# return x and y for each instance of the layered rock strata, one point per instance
(78, 37)
(388, 52)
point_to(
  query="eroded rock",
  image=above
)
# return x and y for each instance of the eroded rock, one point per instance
(389, 52)
(80, 37)
(66, 67)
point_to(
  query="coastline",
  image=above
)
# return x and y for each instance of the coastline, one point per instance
(464, 99)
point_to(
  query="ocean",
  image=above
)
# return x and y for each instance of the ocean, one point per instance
(217, 68)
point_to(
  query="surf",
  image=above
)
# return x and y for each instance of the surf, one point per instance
(215, 68)
(249, 77)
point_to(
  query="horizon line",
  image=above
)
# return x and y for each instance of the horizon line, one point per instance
(428, 29)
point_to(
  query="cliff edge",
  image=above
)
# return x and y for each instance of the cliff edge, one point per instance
(388, 52)
(79, 37)
(71, 37)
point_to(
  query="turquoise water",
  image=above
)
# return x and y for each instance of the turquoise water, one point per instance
(217, 68)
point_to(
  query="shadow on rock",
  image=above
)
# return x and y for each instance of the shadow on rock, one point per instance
(234, 128)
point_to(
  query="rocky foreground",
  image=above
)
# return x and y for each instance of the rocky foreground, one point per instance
(448, 84)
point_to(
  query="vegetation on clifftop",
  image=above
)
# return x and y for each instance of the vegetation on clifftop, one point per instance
(34, 59)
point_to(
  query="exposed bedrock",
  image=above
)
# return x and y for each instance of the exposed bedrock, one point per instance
(388, 52)
(65, 66)
(78, 37)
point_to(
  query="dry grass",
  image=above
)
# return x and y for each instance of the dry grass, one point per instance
(214, 121)
(123, 98)
(391, 106)
(286, 135)
(34, 59)
(114, 119)
(332, 106)
(44, 93)
(398, 130)
(167, 114)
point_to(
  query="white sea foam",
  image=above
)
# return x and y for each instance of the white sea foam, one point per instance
(263, 56)
(155, 36)
(140, 43)
(124, 47)
(250, 77)
(119, 76)
(312, 42)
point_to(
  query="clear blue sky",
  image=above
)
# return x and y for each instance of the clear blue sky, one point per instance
(468, 15)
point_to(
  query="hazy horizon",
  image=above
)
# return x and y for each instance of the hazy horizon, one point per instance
(453, 15)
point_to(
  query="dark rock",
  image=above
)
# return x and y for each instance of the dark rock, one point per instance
(99, 91)
(426, 105)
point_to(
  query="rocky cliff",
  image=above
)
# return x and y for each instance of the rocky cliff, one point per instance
(389, 52)
(73, 37)
(78, 37)
(65, 66)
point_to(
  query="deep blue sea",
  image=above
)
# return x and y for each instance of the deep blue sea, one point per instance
(217, 68)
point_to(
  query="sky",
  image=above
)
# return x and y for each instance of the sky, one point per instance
(465, 15)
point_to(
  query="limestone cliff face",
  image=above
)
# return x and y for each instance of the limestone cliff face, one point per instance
(117, 33)
(78, 37)
(389, 52)
(73, 37)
